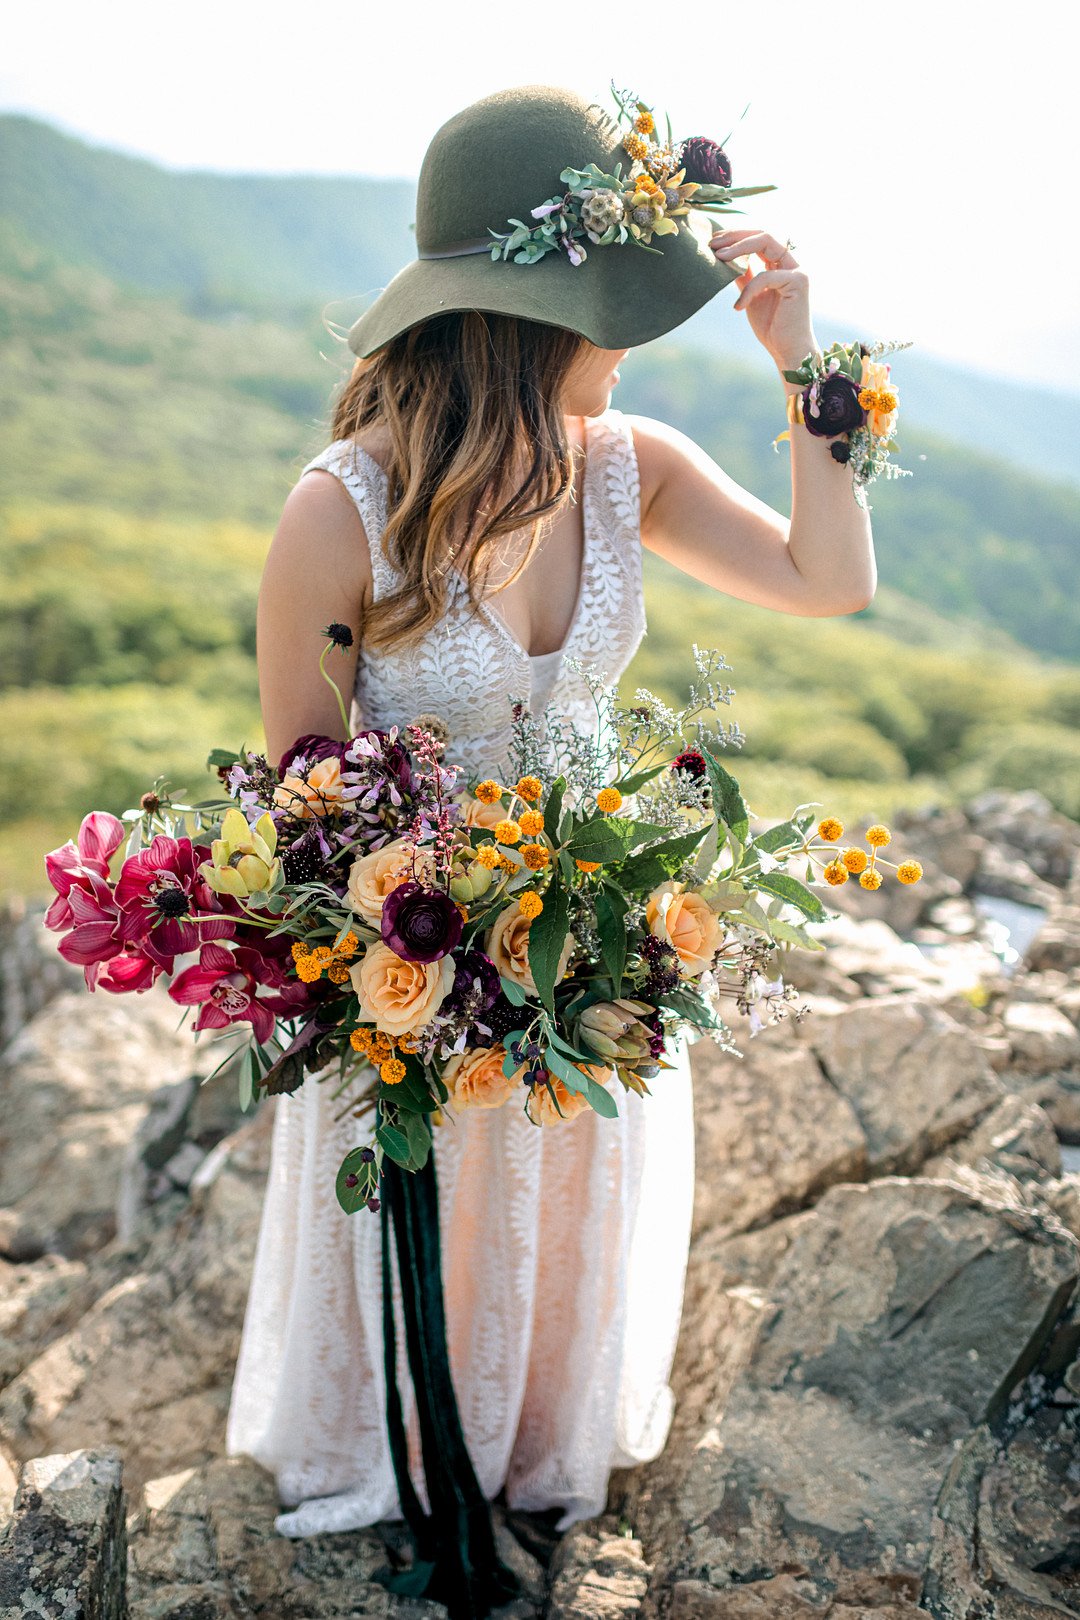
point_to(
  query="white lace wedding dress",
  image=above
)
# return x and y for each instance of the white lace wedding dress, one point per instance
(564, 1247)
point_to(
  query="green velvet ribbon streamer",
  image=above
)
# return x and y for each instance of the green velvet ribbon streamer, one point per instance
(455, 1560)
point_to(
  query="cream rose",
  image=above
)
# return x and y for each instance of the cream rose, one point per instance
(542, 1110)
(507, 943)
(400, 997)
(685, 921)
(475, 1078)
(372, 877)
(316, 794)
(479, 814)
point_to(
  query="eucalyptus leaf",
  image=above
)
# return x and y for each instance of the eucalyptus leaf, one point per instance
(611, 908)
(728, 801)
(353, 1198)
(393, 1142)
(513, 992)
(547, 936)
(790, 889)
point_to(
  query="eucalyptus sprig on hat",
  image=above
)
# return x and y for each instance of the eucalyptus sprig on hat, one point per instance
(663, 181)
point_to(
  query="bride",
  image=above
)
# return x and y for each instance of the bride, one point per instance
(477, 522)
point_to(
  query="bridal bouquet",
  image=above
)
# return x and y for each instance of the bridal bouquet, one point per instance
(534, 938)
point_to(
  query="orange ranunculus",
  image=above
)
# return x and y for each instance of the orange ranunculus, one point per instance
(542, 1110)
(475, 1078)
(318, 793)
(372, 877)
(507, 943)
(400, 997)
(683, 919)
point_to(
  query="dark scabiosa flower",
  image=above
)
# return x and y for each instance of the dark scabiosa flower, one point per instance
(502, 1018)
(831, 406)
(475, 991)
(663, 964)
(692, 763)
(705, 162)
(306, 860)
(840, 451)
(339, 634)
(420, 924)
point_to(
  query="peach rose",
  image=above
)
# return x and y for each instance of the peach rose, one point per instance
(507, 943)
(478, 814)
(371, 877)
(317, 794)
(684, 920)
(542, 1110)
(475, 1078)
(400, 997)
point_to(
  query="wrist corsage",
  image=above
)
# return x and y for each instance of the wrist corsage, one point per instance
(850, 398)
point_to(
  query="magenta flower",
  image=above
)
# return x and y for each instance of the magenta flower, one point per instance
(225, 985)
(99, 837)
(130, 970)
(94, 933)
(166, 908)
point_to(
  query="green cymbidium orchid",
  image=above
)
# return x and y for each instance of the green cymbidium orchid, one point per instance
(242, 861)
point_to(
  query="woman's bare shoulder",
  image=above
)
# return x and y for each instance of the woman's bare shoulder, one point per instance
(321, 527)
(661, 450)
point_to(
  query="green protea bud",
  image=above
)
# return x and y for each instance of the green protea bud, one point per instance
(614, 1031)
(480, 878)
(461, 888)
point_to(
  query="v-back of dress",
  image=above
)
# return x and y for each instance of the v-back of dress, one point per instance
(564, 1246)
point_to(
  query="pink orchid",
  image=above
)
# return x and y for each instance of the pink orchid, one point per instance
(130, 970)
(166, 908)
(225, 983)
(99, 837)
(94, 934)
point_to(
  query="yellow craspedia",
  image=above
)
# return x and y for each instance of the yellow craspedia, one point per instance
(507, 865)
(530, 904)
(588, 866)
(360, 1040)
(869, 398)
(380, 1048)
(308, 969)
(830, 829)
(529, 788)
(488, 791)
(871, 878)
(507, 831)
(349, 945)
(887, 400)
(392, 1071)
(854, 859)
(909, 872)
(338, 973)
(878, 835)
(323, 955)
(836, 873)
(635, 146)
(299, 949)
(644, 123)
(608, 800)
(535, 856)
(488, 856)
(531, 823)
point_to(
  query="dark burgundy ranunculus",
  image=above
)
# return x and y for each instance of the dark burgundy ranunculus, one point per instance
(314, 747)
(476, 982)
(705, 162)
(420, 924)
(832, 406)
(691, 762)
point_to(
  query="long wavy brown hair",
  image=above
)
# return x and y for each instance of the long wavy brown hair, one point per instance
(478, 450)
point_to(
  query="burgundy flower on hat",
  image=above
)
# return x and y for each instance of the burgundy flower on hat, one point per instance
(420, 924)
(166, 908)
(225, 985)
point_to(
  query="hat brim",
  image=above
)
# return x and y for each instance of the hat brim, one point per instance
(619, 297)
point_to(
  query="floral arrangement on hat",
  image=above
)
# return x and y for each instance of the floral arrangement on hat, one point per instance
(663, 181)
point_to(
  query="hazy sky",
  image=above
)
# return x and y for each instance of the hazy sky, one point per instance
(926, 153)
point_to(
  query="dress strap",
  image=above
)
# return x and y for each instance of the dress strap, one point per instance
(619, 483)
(366, 482)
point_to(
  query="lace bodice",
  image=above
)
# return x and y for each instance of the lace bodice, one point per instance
(470, 668)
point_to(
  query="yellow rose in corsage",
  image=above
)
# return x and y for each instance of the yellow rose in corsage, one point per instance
(242, 860)
(316, 793)
(542, 1111)
(475, 1078)
(400, 997)
(684, 921)
(372, 877)
(507, 943)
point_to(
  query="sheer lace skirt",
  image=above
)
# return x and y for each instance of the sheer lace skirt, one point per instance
(564, 1256)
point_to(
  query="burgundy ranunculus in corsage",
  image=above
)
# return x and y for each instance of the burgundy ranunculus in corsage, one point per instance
(225, 986)
(420, 924)
(831, 406)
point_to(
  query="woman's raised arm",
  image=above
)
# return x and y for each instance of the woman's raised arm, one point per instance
(317, 572)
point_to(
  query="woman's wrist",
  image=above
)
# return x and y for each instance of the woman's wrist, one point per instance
(792, 361)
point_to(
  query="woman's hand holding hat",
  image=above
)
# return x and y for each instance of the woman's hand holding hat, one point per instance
(776, 299)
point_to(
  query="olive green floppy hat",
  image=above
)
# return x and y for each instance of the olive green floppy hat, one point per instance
(493, 163)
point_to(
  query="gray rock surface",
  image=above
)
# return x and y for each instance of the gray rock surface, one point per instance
(63, 1553)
